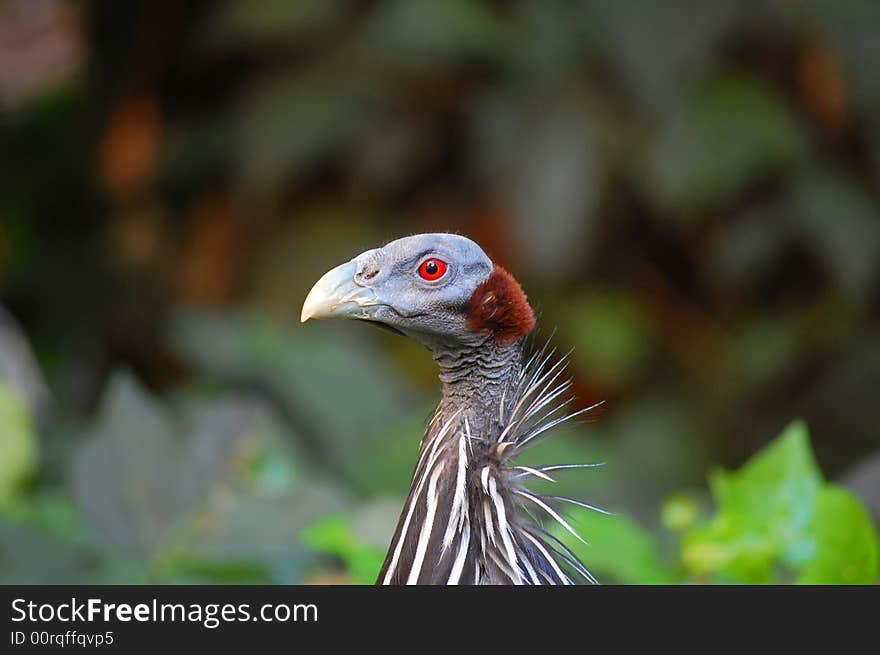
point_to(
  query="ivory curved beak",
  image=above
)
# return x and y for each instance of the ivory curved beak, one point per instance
(337, 295)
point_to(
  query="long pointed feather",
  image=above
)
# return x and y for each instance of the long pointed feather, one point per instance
(552, 512)
(580, 503)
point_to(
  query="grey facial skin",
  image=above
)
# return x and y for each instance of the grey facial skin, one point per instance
(384, 286)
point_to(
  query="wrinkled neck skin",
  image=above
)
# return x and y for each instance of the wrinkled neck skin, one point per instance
(477, 378)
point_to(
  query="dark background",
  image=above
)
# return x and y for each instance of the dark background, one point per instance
(688, 191)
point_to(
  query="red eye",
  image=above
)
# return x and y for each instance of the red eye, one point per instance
(432, 269)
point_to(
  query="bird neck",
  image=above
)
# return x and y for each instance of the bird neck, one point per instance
(477, 378)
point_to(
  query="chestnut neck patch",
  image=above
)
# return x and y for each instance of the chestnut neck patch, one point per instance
(500, 307)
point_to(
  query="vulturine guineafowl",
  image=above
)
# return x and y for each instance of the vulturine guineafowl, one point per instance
(469, 518)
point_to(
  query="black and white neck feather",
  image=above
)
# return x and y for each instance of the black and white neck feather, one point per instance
(470, 517)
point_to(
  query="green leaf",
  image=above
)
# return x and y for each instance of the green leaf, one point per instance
(17, 445)
(844, 540)
(185, 487)
(333, 535)
(764, 510)
(777, 512)
(776, 489)
(723, 547)
(619, 549)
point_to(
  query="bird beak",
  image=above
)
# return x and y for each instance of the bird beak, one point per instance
(337, 295)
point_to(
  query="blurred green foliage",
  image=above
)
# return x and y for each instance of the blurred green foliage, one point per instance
(18, 445)
(689, 192)
(776, 521)
(618, 550)
(734, 133)
(333, 536)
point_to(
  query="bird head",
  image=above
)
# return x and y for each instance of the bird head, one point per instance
(435, 288)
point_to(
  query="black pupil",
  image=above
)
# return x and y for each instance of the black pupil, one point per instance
(431, 268)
